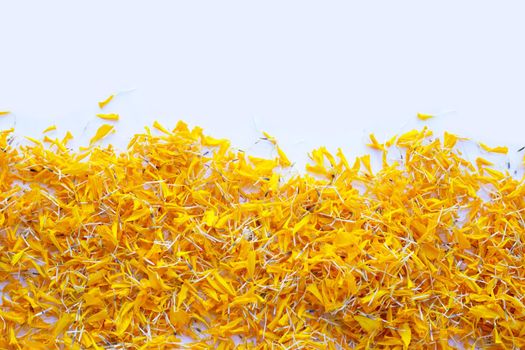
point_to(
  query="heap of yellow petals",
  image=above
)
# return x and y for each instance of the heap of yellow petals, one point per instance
(183, 241)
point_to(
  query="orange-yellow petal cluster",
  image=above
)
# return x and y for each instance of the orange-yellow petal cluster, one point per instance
(184, 242)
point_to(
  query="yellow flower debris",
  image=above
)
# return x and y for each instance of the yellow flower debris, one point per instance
(102, 132)
(375, 144)
(422, 116)
(49, 128)
(103, 103)
(109, 116)
(498, 149)
(181, 238)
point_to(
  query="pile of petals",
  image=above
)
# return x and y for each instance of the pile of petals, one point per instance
(183, 241)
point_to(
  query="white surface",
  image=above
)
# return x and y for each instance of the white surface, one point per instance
(310, 73)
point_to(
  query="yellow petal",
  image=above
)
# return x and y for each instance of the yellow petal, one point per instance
(138, 214)
(63, 322)
(49, 128)
(269, 138)
(99, 316)
(109, 116)
(422, 116)
(102, 132)
(312, 288)
(181, 296)
(499, 149)
(406, 334)
(226, 285)
(16, 258)
(283, 159)
(482, 311)
(301, 224)
(250, 263)
(368, 324)
(375, 144)
(159, 127)
(103, 104)
(124, 318)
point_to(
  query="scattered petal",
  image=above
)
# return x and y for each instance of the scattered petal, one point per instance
(109, 116)
(102, 132)
(103, 103)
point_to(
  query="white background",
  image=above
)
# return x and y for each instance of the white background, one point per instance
(309, 72)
